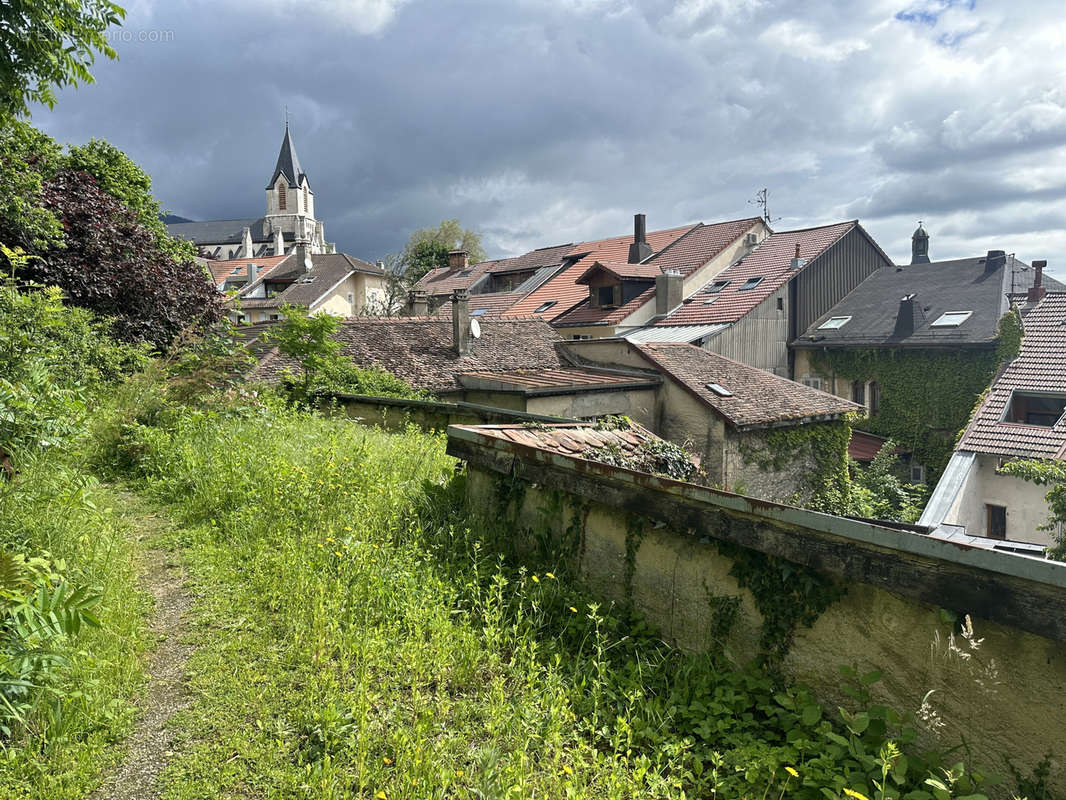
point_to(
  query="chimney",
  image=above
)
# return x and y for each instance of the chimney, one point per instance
(909, 317)
(279, 243)
(246, 244)
(417, 303)
(668, 295)
(461, 322)
(640, 249)
(994, 260)
(303, 255)
(797, 262)
(458, 259)
(1037, 292)
(253, 271)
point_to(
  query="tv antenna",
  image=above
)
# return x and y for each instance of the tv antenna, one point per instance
(762, 200)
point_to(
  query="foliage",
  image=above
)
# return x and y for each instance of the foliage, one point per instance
(825, 445)
(926, 395)
(878, 493)
(656, 456)
(361, 637)
(116, 267)
(427, 249)
(49, 44)
(1053, 474)
(28, 158)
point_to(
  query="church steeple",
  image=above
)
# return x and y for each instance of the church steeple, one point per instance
(288, 164)
(920, 246)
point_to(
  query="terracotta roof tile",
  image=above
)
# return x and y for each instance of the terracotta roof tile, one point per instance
(581, 440)
(493, 303)
(756, 397)
(237, 267)
(565, 378)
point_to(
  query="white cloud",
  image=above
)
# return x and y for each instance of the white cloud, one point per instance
(795, 38)
(366, 17)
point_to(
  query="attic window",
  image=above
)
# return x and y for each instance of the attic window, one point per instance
(1033, 408)
(750, 283)
(477, 312)
(709, 302)
(466, 273)
(951, 319)
(834, 323)
(545, 306)
(236, 271)
(719, 390)
(716, 287)
(309, 279)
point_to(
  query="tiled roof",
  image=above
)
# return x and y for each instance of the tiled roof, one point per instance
(533, 380)
(564, 288)
(236, 267)
(447, 280)
(701, 244)
(622, 270)
(772, 261)
(327, 270)
(534, 259)
(586, 314)
(1039, 367)
(942, 286)
(575, 440)
(756, 397)
(494, 303)
(419, 349)
(865, 446)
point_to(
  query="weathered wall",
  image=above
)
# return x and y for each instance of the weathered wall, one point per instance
(662, 546)
(760, 339)
(1026, 508)
(394, 413)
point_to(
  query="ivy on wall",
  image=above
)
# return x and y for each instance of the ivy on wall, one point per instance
(926, 395)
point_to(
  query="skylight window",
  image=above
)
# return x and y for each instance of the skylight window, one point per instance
(750, 283)
(466, 273)
(951, 319)
(477, 312)
(834, 323)
(545, 306)
(719, 390)
(709, 302)
(716, 287)
(1035, 408)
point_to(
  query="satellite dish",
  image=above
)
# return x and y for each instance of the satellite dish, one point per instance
(475, 328)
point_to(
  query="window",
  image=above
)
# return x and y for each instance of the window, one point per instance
(750, 283)
(545, 306)
(858, 392)
(834, 323)
(716, 287)
(996, 527)
(466, 273)
(577, 337)
(479, 312)
(813, 381)
(917, 473)
(875, 398)
(719, 390)
(780, 304)
(275, 317)
(950, 319)
(351, 299)
(710, 302)
(606, 296)
(1031, 408)
(305, 199)
(281, 196)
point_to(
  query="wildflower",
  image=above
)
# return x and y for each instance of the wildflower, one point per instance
(386, 761)
(536, 579)
(567, 770)
(573, 609)
(549, 575)
(381, 796)
(792, 772)
(458, 773)
(856, 795)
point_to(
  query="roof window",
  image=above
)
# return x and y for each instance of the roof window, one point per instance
(545, 306)
(478, 312)
(750, 283)
(834, 323)
(716, 287)
(719, 390)
(1035, 408)
(951, 319)
(709, 302)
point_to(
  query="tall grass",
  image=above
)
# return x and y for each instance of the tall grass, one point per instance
(356, 638)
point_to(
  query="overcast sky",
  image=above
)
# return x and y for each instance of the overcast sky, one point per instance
(540, 122)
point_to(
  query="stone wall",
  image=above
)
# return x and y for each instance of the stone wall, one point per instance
(395, 413)
(671, 550)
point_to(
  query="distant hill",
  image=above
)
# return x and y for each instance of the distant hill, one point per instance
(170, 219)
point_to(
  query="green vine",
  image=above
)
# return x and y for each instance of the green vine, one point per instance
(926, 395)
(634, 536)
(825, 443)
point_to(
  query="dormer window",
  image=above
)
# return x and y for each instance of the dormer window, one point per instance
(281, 196)
(607, 296)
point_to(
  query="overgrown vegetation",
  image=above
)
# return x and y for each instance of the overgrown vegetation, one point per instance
(1053, 475)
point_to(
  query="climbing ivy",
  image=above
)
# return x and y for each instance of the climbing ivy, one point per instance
(926, 395)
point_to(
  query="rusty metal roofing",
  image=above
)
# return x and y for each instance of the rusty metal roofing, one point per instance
(1039, 368)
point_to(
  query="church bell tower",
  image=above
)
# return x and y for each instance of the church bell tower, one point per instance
(291, 203)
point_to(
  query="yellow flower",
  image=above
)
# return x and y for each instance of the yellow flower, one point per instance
(386, 761)
(549, 575)
(567, 770)
(381, 796)
(536, 579)
(458, 773)
(792, 772)
(856, 795)
(573, 609)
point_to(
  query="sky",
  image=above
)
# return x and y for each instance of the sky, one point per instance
(541, 122)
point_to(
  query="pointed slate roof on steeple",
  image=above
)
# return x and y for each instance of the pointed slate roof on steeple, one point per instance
(288, 163)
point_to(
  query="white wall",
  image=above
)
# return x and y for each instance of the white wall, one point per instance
(1024, 501)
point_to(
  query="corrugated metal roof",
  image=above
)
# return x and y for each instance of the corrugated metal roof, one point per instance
(676, 333)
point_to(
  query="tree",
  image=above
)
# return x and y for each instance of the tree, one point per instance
(28, 158)
(48, 44)
(428, 248)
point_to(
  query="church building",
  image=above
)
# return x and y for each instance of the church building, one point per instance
(289, 220)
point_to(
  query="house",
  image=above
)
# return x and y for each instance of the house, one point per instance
(916, 345)
(754, 432)
(322, 283)
(290, 219)
(236, 273)
(1020, 417)
(750, 310)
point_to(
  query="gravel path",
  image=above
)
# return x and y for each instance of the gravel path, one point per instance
(150, 744)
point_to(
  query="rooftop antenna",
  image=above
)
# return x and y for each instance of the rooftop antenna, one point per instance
(762, 200)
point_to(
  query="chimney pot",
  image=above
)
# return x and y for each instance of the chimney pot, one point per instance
(418, 303)
(797, 249)
(461, 337)
(1037, 292)
(458, 259)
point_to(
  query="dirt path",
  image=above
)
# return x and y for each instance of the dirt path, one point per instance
(149, 747)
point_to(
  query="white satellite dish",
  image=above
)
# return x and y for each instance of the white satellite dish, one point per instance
(475, 328)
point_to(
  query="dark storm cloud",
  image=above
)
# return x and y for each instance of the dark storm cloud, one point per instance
(547, 121)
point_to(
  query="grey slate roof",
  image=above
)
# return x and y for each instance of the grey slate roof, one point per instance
(222, 231)
(288, 164)
(939, 287)
(327, 270)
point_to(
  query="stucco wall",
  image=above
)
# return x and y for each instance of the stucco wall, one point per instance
(1024, 501)
(1009, 698)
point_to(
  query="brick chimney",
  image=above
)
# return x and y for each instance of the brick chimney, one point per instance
(417, 303)
(461, 337)
(1037, 292)
(640, 249)
(668, 292)
(458, 259)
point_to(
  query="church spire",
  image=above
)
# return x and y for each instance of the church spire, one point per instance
(288, 164)
(920, 246)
